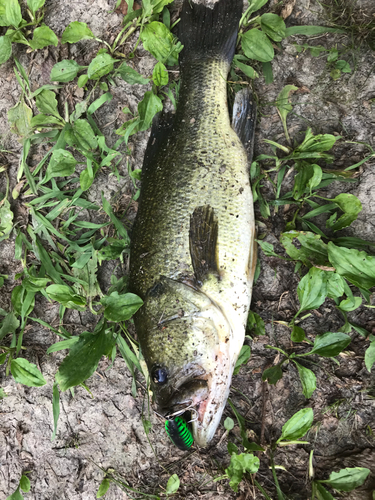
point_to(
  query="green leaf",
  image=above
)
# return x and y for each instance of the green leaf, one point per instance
(62, 163)
(33, 284)
(255, 324)
(75, 32)
(351, 206)
(66, 296)
(65, 71)
(103, 488)
(10, 325)
(347, 304)
(172, 485)
(311, 30)
(85, 135)
(147, 109)
(10, 11)
(298, 334)
(256, 45)
(243, 358)
(19, 295)
(84, 357)
(312, 290)
(55, 408)
(158, 5)
(354, 265)
(120, 307)
(160, 75)
(239, 465)
(321, 492)
(347, 479)
(316, 143)
(20, 117)
(370, 355)
(113, 250)
(119, 227)
(46, 103)
(255, 5)
(311, 247)
(273, 26)
(5, 48)
(35, 5)
(272, 374)
(82, 80)
(130, 75)
(101, 65)
(297, 426)
(330, 344)
(247, 70)
(228, 424)
(26, 373)
(158, 40)
(16, 495)
(283, 105)
(343, 66)
(42, 37)
(308, 176)
(6, 220)
(335, 285)
(267, 248)
(25, 483)
(308, 380)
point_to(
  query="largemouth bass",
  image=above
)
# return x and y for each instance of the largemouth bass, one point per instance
(192, 257)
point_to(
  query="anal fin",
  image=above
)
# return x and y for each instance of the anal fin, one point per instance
(244, 119)
(203, 234)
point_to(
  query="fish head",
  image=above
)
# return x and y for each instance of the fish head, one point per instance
(185, 339)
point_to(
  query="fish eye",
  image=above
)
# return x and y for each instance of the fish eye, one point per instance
(160, 376)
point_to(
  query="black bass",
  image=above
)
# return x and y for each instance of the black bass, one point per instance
(193, 257)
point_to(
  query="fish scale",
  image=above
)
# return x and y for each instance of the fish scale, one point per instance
(192, 324)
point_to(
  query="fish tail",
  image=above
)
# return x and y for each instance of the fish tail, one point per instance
(209, 33)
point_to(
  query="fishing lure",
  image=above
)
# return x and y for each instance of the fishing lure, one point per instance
(179, 433)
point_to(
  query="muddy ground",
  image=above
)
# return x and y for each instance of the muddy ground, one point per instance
(106, 430)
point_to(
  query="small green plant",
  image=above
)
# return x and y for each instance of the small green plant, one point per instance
(24, 485)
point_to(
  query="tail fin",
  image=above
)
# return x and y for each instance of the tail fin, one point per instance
(209, 33)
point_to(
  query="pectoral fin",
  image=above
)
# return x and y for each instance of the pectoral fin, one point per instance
(160, 131)
(244, 119)
(203, 242)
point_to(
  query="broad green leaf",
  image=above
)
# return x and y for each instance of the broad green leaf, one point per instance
(330, 344)
(130, 75)
(351, 206)
(256, 45)
(272, 374)
(10, 13)
(10, 325)
(46, 102)
(297, 426)
(247, 70)
(370, 355)
(147, 109)
(82, 80)
(316, 143)
(16, 495)
(34, 5)
(65, 71)
(113, 250)
(308, 176)
(5, 48)
(283, 105)
(26, 373)
(255, 324)
(347, 304)
(311, 247)
(19, 295)
(160, 75)
(172, 485)
(20, 117)
(6, 220)
(347, 479)
(85, 135)
(274, 26)
(312, 289)
(43, 121)
(321, 492)
(267, 248)
(75, 32)
(298, 334)
(120, 307)
(33, 284)
(103, 488)
(66, 296)
(239, 465)
(62, 163)
(343, 66)
(354, 265)
(158, 5)
(232, 448)
(243, 358)
(308, 380)
(42, 37)
(101, 65)
(228, 424)
(311, 30)
(25, 483)
(64, 344)
(335, 285)
(84, 357)
(158, 40)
